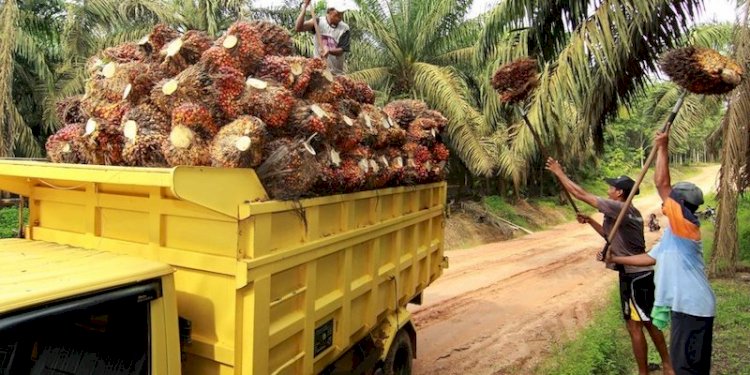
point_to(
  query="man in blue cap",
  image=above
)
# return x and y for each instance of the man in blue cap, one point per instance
(636, 282)
(682, 287)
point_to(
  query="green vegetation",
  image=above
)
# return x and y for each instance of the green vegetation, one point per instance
(9, 221)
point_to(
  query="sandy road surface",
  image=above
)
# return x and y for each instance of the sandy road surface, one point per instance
(500, 307)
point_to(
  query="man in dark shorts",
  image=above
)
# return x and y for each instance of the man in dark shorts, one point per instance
(682, 286)
(636, 282)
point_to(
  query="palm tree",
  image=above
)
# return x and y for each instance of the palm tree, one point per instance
(412, 49)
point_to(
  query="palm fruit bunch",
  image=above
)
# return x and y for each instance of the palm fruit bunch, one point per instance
(239, 144)
(323, 88)
(152, 44)
(131, 82)
(195, 117)
(276, 40)
(395, 159)
(186, 147)
(145, 150)
(103, 142)
(701, 70)
(294, 72)
(109, 111)
(290, 168)
(515, 80)
(349, 108)
(67, 145)
(193, 85)
(124, 53)
(228, 86)
(69, 111)
(423, 130)
(370, 120)
(268, 101)
(356, 90)
(405, 111)
(142, 119)
(244, 46)
(344, 134)
(346, 176)
(310, 118)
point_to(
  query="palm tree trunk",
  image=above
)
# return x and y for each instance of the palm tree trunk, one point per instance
(8, 17)
(726, 246)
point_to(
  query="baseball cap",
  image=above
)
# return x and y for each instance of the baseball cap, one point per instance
(623, 183)
(341, 5)
(688, 192)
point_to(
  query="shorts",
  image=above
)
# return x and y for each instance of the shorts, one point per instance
(637, 295)
(690, 342)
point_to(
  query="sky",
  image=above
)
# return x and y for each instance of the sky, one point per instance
(715, 10)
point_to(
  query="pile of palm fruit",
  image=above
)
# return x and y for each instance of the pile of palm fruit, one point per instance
(245, 101)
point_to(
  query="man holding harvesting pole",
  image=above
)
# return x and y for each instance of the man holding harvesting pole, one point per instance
(636, 282)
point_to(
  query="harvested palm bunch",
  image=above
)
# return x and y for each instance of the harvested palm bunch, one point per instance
(218, 57)
(144, 149)
(420, 153)
(153, 43)
(440, 121)
(440, 152)
(356, 90)
(228, 86)
(344, 134)
(289, 169)
(244, 46)
(132, 82)
(172, 62)
(276, 40)
(69, 111)
(405, 111)
(103, 142)
(294, 72)
(110, 111)
(395, 157)
(349, 108)
(186, 147)
(414, 172)
(323, 88)
(67, 145)
(370, 120)
(193, 85)
(195, 117)
(329, 160)
(142, 119)
(123, 53)
(268, 101)
(239, 144)
(516, 80)
(307, 119)
(423, 130)
(701, 70)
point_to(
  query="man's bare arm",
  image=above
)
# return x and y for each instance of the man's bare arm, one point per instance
(662, 179)
(640, 260)
(575, 190)
(301, 25)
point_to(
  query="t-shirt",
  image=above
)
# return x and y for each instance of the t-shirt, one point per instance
(333, 37)
(680, 277)
(629, 239)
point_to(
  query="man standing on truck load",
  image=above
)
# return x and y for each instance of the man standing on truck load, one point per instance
(334, 34)
(682, 286)
(636, 282)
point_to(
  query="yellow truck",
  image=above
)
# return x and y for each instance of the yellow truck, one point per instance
(194, 270)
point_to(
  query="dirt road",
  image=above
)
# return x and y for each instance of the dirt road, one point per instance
(500, 307)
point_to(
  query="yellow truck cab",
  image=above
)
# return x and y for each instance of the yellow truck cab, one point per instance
(66, 310)
(318, 285)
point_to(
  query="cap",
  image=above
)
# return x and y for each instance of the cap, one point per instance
(688, 192)
(623, 183)
(341, 5)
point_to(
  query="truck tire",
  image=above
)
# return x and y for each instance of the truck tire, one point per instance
(399, 358)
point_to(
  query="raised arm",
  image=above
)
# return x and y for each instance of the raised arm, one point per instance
(575, 190)
(301, 25)
(661, 174)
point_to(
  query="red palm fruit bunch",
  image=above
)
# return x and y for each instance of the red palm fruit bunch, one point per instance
(370, 120)
(290, 168)
(142, 81)
(395, 158)
(193, 85)
(145, 150)
(329, 159)
(514, 81)
(323, 88)
(110, 111)
(67, 145)
(423, 130)
(349, 108)
(385, 174)
(129, 81)
(349, 176)
(420, 153)
(441, 122)
(123, 53)
(405, 111)
(345, 135)
(195, 117)
(172, 61)
(244, 46)
(440, 152)
(69, 111)
(418, 163)
(294, 72)
(217, 57)
(194, 43)
(276, 40)
(356, 90)
(153, 43)
(239, 144)
(144, 118)
(186, 147)
(103, 142)
(228, 86)
(701, 70)
(309, 118)
(268, 101)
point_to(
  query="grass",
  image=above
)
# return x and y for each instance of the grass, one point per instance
(9, 221)
(604, 346)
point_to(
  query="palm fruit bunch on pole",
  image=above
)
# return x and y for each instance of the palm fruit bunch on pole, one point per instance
(239, 144)
(516, 80)
(701, 70)
(67, 145)
(267, 100)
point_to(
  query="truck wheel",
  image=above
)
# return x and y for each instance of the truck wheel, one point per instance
(399, 358)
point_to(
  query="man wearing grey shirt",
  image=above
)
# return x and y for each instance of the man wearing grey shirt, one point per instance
(334, 34)
(636, 283)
